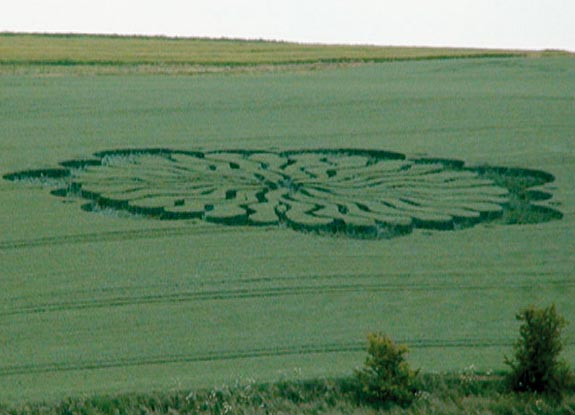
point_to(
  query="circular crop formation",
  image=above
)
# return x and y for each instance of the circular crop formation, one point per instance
(352, 192)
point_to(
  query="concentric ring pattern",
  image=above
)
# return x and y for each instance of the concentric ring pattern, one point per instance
(352, 192)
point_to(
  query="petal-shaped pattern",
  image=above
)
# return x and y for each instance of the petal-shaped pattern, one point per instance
(354, 192)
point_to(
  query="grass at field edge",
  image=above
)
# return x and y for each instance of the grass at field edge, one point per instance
(452, 393)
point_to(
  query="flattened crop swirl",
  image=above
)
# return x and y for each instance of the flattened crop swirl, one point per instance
(352, 192)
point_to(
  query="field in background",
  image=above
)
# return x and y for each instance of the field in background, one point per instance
(73, 54)
(99, 303)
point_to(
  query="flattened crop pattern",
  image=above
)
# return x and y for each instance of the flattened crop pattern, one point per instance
(352, 192)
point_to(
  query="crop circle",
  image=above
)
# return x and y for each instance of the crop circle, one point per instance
(352, 192)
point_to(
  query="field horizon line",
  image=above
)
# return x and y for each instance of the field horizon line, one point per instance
(127, 36)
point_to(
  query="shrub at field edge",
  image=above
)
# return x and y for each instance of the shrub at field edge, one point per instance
(536, 367)
(386, 377)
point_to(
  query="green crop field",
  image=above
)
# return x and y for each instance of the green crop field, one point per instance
(170, 232)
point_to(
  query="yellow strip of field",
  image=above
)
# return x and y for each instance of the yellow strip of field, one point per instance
(112, 54)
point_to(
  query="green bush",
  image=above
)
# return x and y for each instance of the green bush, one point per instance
(386, 376)
(536, 366)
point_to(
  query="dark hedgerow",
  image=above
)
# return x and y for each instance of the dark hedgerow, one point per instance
(536, 366)
(386, 377)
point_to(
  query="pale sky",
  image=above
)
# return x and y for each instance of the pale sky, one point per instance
(516, 24)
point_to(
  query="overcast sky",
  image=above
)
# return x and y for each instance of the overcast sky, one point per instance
(520, 24)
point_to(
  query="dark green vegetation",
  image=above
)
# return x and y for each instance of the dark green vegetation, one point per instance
(536, 366)
(95, 304)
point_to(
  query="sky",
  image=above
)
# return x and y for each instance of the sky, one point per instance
(505, 24)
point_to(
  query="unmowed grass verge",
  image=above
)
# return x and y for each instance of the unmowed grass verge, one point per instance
(466, 392)
(66, 54)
